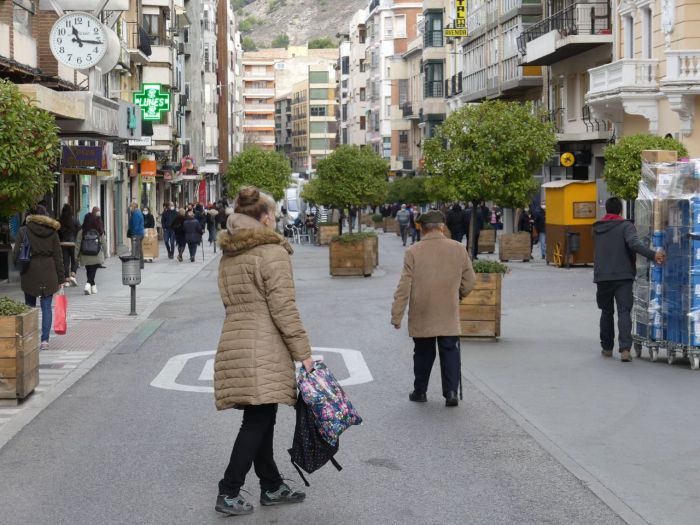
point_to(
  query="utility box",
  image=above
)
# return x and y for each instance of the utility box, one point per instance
(571, 211)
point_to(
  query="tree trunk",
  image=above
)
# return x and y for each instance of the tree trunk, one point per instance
(359, 220)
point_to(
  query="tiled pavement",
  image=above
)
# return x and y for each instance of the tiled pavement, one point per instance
(97, 322)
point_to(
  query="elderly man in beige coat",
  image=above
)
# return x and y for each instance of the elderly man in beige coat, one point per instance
(437, 273)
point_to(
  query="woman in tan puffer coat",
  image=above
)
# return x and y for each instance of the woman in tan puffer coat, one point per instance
(261, 338)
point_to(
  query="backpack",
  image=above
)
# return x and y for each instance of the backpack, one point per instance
(25, 254)
(90, 245)
(309, 450)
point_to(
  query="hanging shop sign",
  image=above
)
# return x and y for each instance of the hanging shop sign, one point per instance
(87, 160)
(567, 159)
(460, 22)
(152, 101)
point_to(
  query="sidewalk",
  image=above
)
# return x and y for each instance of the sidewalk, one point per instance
(96, 325)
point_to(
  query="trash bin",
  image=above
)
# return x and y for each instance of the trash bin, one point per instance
(131, 270)
(573, 241)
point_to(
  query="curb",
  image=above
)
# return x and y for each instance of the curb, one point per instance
(34, 407)
(588, 480)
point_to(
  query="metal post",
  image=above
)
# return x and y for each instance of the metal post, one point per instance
(133, 300)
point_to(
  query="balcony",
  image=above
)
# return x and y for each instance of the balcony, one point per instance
(258, 75)
(138, 43)
(576, 28)
(433, 88)
(259, 108)
(258, 123)
(682, 67)
(681, 85)
(258, 92)
(516, 78)
(157, 75)
(408, 111)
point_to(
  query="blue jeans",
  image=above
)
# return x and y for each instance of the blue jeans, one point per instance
(169, 237)
(46, 313)
(543, 244)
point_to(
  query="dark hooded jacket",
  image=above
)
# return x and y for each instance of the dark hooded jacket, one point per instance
(615, 243)
(45, 271)
(457, 220)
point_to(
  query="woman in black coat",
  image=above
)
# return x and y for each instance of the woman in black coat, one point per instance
(66, 234)
(193, 234)
(179, 229)
(149, 221)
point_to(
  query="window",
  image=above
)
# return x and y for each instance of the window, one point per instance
(345, 67)
(388, 27)
(433, 30)
(207, 57)
(387, 107)
(433, 86)
(403, 144)
(318, 111)
(646, 32)
(400, 26)
(362, 35)
(363, 94)
(363, 122)
(571, 98)
(22, 15)
(318, 77)
(345, 112)
(403, 92)
(628, 31)
(318, 94)
(318, 127)
(363, 65)
(320, 144)
(386, 143)
(151, 24)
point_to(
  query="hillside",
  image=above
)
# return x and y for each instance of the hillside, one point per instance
(300, 20)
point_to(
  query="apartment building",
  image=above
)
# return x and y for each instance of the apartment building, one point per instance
(271, 73)
(354, 71)
(314, 120)
(283, 125)
(652, 84)
(572, 37)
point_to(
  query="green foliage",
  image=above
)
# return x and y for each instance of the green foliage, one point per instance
(29, 148)
(11, 307)
(353, 238)
(409, 190)
(493, 149)
(267, 170)
(438, 189)
(274, 5)
(248, 44)
(377, 218)
(324, 42)
(238, 5)
(247, 25)
(350, 176)
(280, 41)
(483, 266)
(623, 161)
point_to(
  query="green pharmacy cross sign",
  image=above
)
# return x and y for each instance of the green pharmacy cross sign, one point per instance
(151, 101)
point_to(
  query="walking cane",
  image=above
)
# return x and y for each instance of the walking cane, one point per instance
(459, 349)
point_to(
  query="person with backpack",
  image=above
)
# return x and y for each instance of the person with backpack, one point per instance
(261, 338)
(193, 234)
(37, 254)
(91, 242)
(67, 234)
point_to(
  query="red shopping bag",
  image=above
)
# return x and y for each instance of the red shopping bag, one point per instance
(60, 313)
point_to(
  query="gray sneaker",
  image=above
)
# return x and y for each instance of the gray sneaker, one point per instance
(283, 495)
(233, 505)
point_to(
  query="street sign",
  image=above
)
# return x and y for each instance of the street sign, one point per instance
(167, 378)
(459, 28)
(455, 33)
(567, 159)
(152, 101)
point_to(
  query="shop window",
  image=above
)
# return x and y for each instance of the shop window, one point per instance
(22, 16)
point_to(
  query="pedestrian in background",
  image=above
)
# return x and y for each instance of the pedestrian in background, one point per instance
(193, 234)
(540, 225)
(212, 222)
(45, 273)
(91, 242)
(457, 221)
(261, 338)
(615, 243)
(416, 226)
(166, 221)
(179, 229)
(403, 218)
(149, 221)
(67, 234)
(136, 230)
(437, 274)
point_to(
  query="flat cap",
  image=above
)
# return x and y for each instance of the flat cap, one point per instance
(432, 217)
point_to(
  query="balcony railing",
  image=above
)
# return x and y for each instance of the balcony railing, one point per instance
(259, 123)
(683, 66)
(556, 117)
(475, 82)
(433, 39)
(581, 18)
(628, 73)
(433, 88)
(407, 110)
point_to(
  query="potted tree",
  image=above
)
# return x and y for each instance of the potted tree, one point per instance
(489, 151)
(351, 176)
(480, 311)
(19, 349)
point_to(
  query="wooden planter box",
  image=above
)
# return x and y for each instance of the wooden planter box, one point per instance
(326, 232)
(373, 243)
(487, 241)
(480, 311)
(514, 246)
(390, 225)
(351, 258)
(366, 219)
(19, 355)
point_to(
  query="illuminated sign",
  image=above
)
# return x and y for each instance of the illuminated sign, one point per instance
(151, 101)
(567, 159)
(459, 28)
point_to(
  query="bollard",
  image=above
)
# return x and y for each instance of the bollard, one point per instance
(131, 276)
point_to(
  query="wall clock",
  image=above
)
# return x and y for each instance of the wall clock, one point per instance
(78, 40)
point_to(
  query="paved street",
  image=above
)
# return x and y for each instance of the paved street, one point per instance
(549, 431)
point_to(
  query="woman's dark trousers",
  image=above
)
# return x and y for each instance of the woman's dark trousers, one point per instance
(91, 270)
(70, 263)
(253, 446)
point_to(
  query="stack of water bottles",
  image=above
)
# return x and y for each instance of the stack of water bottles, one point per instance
(666, 313)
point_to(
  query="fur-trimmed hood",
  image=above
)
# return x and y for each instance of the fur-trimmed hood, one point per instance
(42, 225)
(244, 233)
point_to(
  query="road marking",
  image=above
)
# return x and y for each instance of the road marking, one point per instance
(167, 377)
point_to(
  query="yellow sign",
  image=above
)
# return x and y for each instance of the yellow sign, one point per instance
(455, 33)
(460, 14)
(567, 159)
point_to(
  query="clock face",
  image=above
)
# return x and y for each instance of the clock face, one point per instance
(78, 40)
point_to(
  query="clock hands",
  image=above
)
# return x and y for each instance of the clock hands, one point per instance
(79, 41)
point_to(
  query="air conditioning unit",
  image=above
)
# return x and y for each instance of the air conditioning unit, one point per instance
(183, 101)
(181, 48)
(186, 49)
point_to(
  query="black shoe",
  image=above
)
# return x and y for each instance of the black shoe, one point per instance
(451, 399)
(233, 506)
(282, 496)
(101, 266)
(419, 397)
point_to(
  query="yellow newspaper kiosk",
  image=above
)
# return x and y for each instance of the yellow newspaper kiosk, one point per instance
(571, 212)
